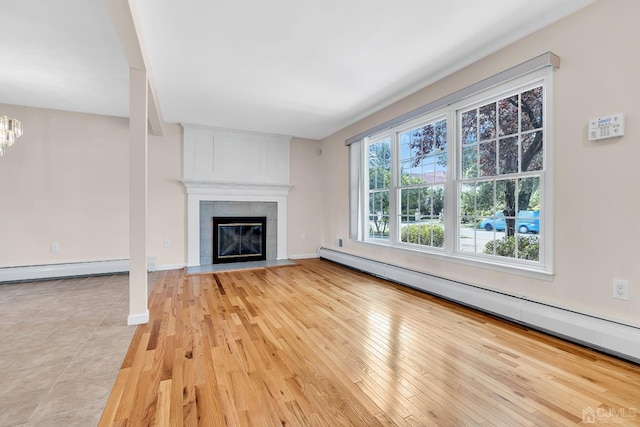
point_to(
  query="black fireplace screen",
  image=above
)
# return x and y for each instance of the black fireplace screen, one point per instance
(239, 239)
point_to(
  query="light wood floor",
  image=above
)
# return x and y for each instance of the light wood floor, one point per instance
(319, 344)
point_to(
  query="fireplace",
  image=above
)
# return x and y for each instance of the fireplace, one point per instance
(226, 167)
(239, 239)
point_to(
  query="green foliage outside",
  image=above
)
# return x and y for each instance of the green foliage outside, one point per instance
(422, 234)
(528, 247)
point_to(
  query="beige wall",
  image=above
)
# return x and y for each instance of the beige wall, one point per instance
(66, 181)
(305, 198)
(596, 202)
(167, 199)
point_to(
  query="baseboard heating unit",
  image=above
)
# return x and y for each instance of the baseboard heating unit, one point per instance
(605, 335)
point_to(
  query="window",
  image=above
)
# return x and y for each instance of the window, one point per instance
(501, 146)
(423, 168)
(469, 180)
(379, 184)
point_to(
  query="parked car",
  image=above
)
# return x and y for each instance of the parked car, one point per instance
(528, 222)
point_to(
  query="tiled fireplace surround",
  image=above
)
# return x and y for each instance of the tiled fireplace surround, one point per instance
(208, 210)
(234, 173)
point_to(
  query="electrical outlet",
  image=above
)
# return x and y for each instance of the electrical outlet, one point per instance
(304, 236)
(339, 242)
(55, 247)
(167, 243)
(621, 289)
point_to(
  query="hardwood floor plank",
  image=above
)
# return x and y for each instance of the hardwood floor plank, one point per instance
(317, 344)
(109, 412)
(130, 389)
(163, 409)
(208, 402)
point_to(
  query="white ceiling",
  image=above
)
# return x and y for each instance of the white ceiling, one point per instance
(294, 67)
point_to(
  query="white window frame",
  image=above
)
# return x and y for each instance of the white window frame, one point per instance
(545, 78)
(542, 269)
(375, 139)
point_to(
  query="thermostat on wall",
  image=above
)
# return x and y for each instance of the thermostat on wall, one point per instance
(606, 127)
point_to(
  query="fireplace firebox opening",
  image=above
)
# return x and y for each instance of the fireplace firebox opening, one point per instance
(239, 239)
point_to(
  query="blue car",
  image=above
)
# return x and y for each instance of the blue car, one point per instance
(528, 222)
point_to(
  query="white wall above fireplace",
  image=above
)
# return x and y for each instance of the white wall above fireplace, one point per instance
(229, 165)
(224, 155)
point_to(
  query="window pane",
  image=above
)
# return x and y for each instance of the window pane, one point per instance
(405, 167)
(532, 152)
(441, 135)
(520, 246)
(508, 155)
(504, 247)
(508, 115)
(470, 127)
(467, 242)
(376, 178)
(529, 194)
(488, 158)
(532, 109)
(505, 195)
(440, 175)
(437, 235)
(487, 122)
(405, 150)
(423, 233)
(380, 164)
(426, 202)
(528, 247)
(485, 199)
(379, 214)
(420, 223)
(410, 202)
(428, 167)
(467, 199)
(470, 162)
(422, 141)
(437, 201)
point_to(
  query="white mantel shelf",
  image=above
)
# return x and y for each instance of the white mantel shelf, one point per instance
(195, 186)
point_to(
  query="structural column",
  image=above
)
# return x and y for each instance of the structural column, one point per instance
(138, 118)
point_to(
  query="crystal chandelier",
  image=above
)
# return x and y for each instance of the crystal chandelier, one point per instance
(10, 130)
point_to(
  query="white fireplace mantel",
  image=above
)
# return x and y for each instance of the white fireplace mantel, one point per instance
(198, 191)
(234, 166)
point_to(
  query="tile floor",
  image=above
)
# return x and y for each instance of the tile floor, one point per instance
(61, 345)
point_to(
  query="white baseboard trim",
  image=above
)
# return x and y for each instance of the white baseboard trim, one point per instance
(53, 271)
(164, 267)
(303, 256)
(602, 334)
(138, 319)
(72, 269)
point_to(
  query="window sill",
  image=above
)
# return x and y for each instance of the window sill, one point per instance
(519, 270)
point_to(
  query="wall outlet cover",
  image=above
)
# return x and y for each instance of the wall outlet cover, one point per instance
(621, 289)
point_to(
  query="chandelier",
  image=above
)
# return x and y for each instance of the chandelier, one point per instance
(10, 130)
